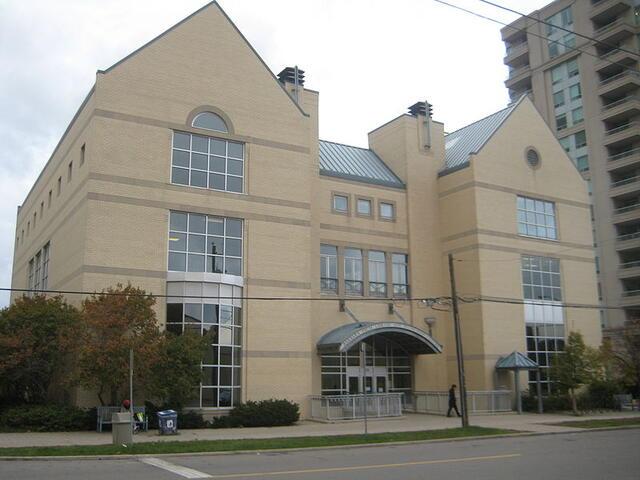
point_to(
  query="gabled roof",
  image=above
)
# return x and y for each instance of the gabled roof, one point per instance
(355, 163)
(470, 139)
(516, 361)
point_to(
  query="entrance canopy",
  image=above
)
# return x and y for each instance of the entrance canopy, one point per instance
(412, 339)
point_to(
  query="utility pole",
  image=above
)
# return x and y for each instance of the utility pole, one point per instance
(363, 360)
(133, 421)
(459, 354)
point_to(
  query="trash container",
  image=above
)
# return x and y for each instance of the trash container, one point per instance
(168, 422)
(121, 428)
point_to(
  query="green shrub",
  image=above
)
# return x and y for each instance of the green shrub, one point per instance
(550, 403)
(226, 422)
(599, 396)
(47, 418)
(266, 413)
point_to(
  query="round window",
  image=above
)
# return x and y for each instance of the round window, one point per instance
(533, 159)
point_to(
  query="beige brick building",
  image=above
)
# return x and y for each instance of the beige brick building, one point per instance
(191, 171)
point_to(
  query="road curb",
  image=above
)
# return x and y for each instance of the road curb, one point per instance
(297, 449)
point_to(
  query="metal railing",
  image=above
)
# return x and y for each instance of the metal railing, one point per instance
(625, 181)
(635, 263)
(609, 26)
(628, 208)
(517, 71)
(628, 236)
(352, 407)
(631, 293)
(618, 76)
(621, 128)
(487, 401)
(621, 155)
(620, 101)
(513, 49)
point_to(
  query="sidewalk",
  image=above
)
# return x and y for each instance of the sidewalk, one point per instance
(410, 422)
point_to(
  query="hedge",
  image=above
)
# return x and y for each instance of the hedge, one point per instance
(47, 418)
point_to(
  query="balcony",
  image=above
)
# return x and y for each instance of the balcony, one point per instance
(517, 54)
(626, 213)
(615, 31)
(629, 269)
(627, 133)
(519, 78)
(619, 84)
(628, 241)
(623, 159)
(604, 10)
(630, 298)
(624, 186)
(621, 109)
(611, 60)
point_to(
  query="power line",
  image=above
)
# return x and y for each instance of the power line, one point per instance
(577, 34)
(517, 301)
(537, 35)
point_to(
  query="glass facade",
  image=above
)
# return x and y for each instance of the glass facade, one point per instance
(544, 319)
(567, 95)
(219, 316)
(559, 39)
(204, 243)
(388, 369)
(207, 162)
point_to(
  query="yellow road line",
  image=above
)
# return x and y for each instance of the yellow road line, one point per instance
(366, 467)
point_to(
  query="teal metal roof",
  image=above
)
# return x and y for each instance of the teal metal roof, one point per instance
(470, 139)
(412, 339)
(355, 163)
(516, 361)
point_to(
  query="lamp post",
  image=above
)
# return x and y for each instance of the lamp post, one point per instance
(430, 321)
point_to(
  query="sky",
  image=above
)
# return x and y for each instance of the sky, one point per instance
(369, 59)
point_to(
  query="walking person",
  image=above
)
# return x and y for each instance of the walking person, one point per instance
(452, 401)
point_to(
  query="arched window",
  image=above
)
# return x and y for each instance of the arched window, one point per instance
(210, 121)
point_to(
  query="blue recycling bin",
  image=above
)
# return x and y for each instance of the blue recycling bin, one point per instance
(168, 422)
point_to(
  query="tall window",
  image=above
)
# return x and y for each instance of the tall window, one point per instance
(377, 274)
(329, 268)
(400, 275)
(203, 243)
(544, 321)
(45, 266)
(221, 319)
(536, 218)
(353, 282)
(38, 269)
(30, 274)
(207, 162)
(559, 41)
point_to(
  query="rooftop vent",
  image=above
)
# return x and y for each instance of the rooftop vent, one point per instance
(292, 75)
(421, 108)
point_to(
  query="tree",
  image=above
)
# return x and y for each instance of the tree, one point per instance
(622, 351)
(115, 321)
(576, 366)
(177, 374)
(37, 335)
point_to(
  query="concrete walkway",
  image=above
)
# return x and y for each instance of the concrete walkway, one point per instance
(410, 422)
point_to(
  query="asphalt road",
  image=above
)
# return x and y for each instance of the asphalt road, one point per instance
(589, 455)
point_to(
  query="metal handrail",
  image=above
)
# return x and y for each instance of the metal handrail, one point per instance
(517, 71)
(516, 48)
(625, 181)
(621, 128)
(635, 263)
(608, 26)
(628, 153)
(628, 236)
(620, 101)
(630, 293)
(628, 208)
(617, 76)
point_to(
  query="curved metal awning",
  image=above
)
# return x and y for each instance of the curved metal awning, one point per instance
(516, 361)
(412, 339)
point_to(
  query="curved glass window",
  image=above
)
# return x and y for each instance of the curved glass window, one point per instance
(210, 121)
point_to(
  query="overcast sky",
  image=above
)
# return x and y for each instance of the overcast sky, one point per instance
(369, 60)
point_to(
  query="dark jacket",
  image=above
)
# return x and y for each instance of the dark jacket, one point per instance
(452, 396)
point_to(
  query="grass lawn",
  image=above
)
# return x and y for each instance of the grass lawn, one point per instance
(611, 422)
(155, 448)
